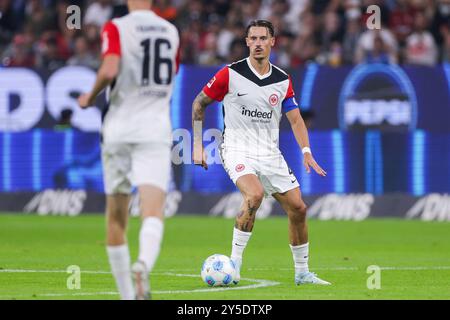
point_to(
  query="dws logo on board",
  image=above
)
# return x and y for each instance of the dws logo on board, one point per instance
(377, 96)
(331, 206)
(57, 202)
(431, 207)
(342, 207)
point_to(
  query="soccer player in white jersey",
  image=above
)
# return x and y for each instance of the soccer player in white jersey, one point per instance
(138, 68)
(255, 93)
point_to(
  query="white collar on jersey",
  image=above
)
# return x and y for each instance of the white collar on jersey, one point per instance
(256, 73)
(141, 11)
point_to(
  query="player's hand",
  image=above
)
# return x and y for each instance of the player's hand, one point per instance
(85, 100)
(199, 157)
(308, 161)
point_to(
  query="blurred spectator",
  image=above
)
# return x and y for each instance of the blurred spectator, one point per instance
(82, 56)
(420, 46)
(380, 53)
(283, 50)
(331, 39)
(318, 7)
(292, 17)
(366, 45)
(98, 13)
(191, 11)
(250, 10)
(440, 21)
(238, 50)
(211, 31)
(92, 34)
(401, 21)
(190, 42)
(19, 53)
(352, 9)
(209, 55)
(332, 57)
(8, 22)
(49, 57)
(165, 9)
(306, 46)
(233, 30)
(352, 34)
(40, 19)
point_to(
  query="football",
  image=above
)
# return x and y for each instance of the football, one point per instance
(218, 270)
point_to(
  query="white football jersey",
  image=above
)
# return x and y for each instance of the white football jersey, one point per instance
(252, 106)
(139, 98)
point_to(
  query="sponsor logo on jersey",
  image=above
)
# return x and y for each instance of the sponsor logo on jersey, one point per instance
(210, 83)
(273, 99)
(256, 114)
(240, 167)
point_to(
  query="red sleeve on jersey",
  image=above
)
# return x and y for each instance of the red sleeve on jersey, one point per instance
(290, 91)
(217, 87)
(177, 60)
(289, 102)
(110, 40)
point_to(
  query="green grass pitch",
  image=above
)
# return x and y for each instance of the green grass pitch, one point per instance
(414, 257)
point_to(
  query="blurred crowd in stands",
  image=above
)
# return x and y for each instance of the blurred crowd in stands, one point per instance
(34, 33)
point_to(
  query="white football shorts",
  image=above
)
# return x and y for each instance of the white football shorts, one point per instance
(272, 171)
(133, 164)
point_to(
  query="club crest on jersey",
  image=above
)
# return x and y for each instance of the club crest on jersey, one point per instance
(273, 99)
(210, 83)
(240, 167)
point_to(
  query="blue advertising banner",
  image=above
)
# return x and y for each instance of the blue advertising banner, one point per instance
(370, 162)
(376, 128)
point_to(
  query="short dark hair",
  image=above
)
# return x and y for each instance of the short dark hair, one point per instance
(261, 23)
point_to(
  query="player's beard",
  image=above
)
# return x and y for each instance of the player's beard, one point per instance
(259, 56)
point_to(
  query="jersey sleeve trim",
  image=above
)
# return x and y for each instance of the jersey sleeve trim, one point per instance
(110, 40)
(177, 59)
(289, 103)
(217, 87)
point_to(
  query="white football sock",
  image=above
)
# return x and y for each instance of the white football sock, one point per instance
(240, 239)
(119, 259)
(150, 238)
(300, 255)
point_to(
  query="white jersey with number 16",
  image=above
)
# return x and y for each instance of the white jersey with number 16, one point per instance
(139, 98)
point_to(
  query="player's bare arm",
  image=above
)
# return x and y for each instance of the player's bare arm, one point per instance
(301, 135)
(198, 114)
(105, 76)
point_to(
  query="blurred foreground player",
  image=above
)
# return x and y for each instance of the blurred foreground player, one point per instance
(255, 93)
(138, 68)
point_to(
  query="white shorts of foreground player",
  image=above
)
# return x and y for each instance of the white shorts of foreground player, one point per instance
(272, 170)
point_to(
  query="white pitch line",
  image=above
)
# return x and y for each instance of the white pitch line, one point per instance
(50, 271)
(260, 283)
(174, 271)
(417, 268)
